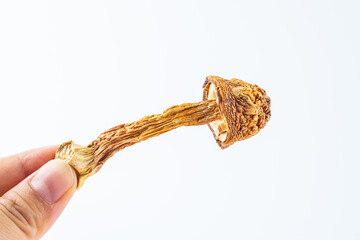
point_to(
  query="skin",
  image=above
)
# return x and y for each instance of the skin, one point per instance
(31, 199)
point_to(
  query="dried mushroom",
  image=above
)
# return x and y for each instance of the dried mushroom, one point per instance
(244, 109)
(233, 109)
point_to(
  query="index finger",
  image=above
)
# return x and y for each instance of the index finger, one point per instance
(15, 168)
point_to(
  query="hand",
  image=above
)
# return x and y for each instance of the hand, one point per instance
(34, 190)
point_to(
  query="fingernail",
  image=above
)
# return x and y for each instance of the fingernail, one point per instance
(53, 180)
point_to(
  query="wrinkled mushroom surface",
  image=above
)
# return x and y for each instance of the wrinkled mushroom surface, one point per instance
(233, 109)
(244, 109)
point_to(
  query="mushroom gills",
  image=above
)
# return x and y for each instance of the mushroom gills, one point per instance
(219, 127)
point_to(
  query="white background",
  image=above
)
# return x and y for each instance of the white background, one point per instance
(72, 69)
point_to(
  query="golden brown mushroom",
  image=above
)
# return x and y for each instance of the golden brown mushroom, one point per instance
(233, 109)
(244, 109)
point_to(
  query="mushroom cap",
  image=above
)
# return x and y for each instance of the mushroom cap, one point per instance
(244, 109)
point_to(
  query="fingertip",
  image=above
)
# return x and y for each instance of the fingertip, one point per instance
(39, 199)
(53, 180)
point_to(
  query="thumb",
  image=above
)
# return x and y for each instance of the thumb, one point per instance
(29, 209)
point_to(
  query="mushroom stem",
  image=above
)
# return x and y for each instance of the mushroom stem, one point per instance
(88, 160)
(124, 135)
